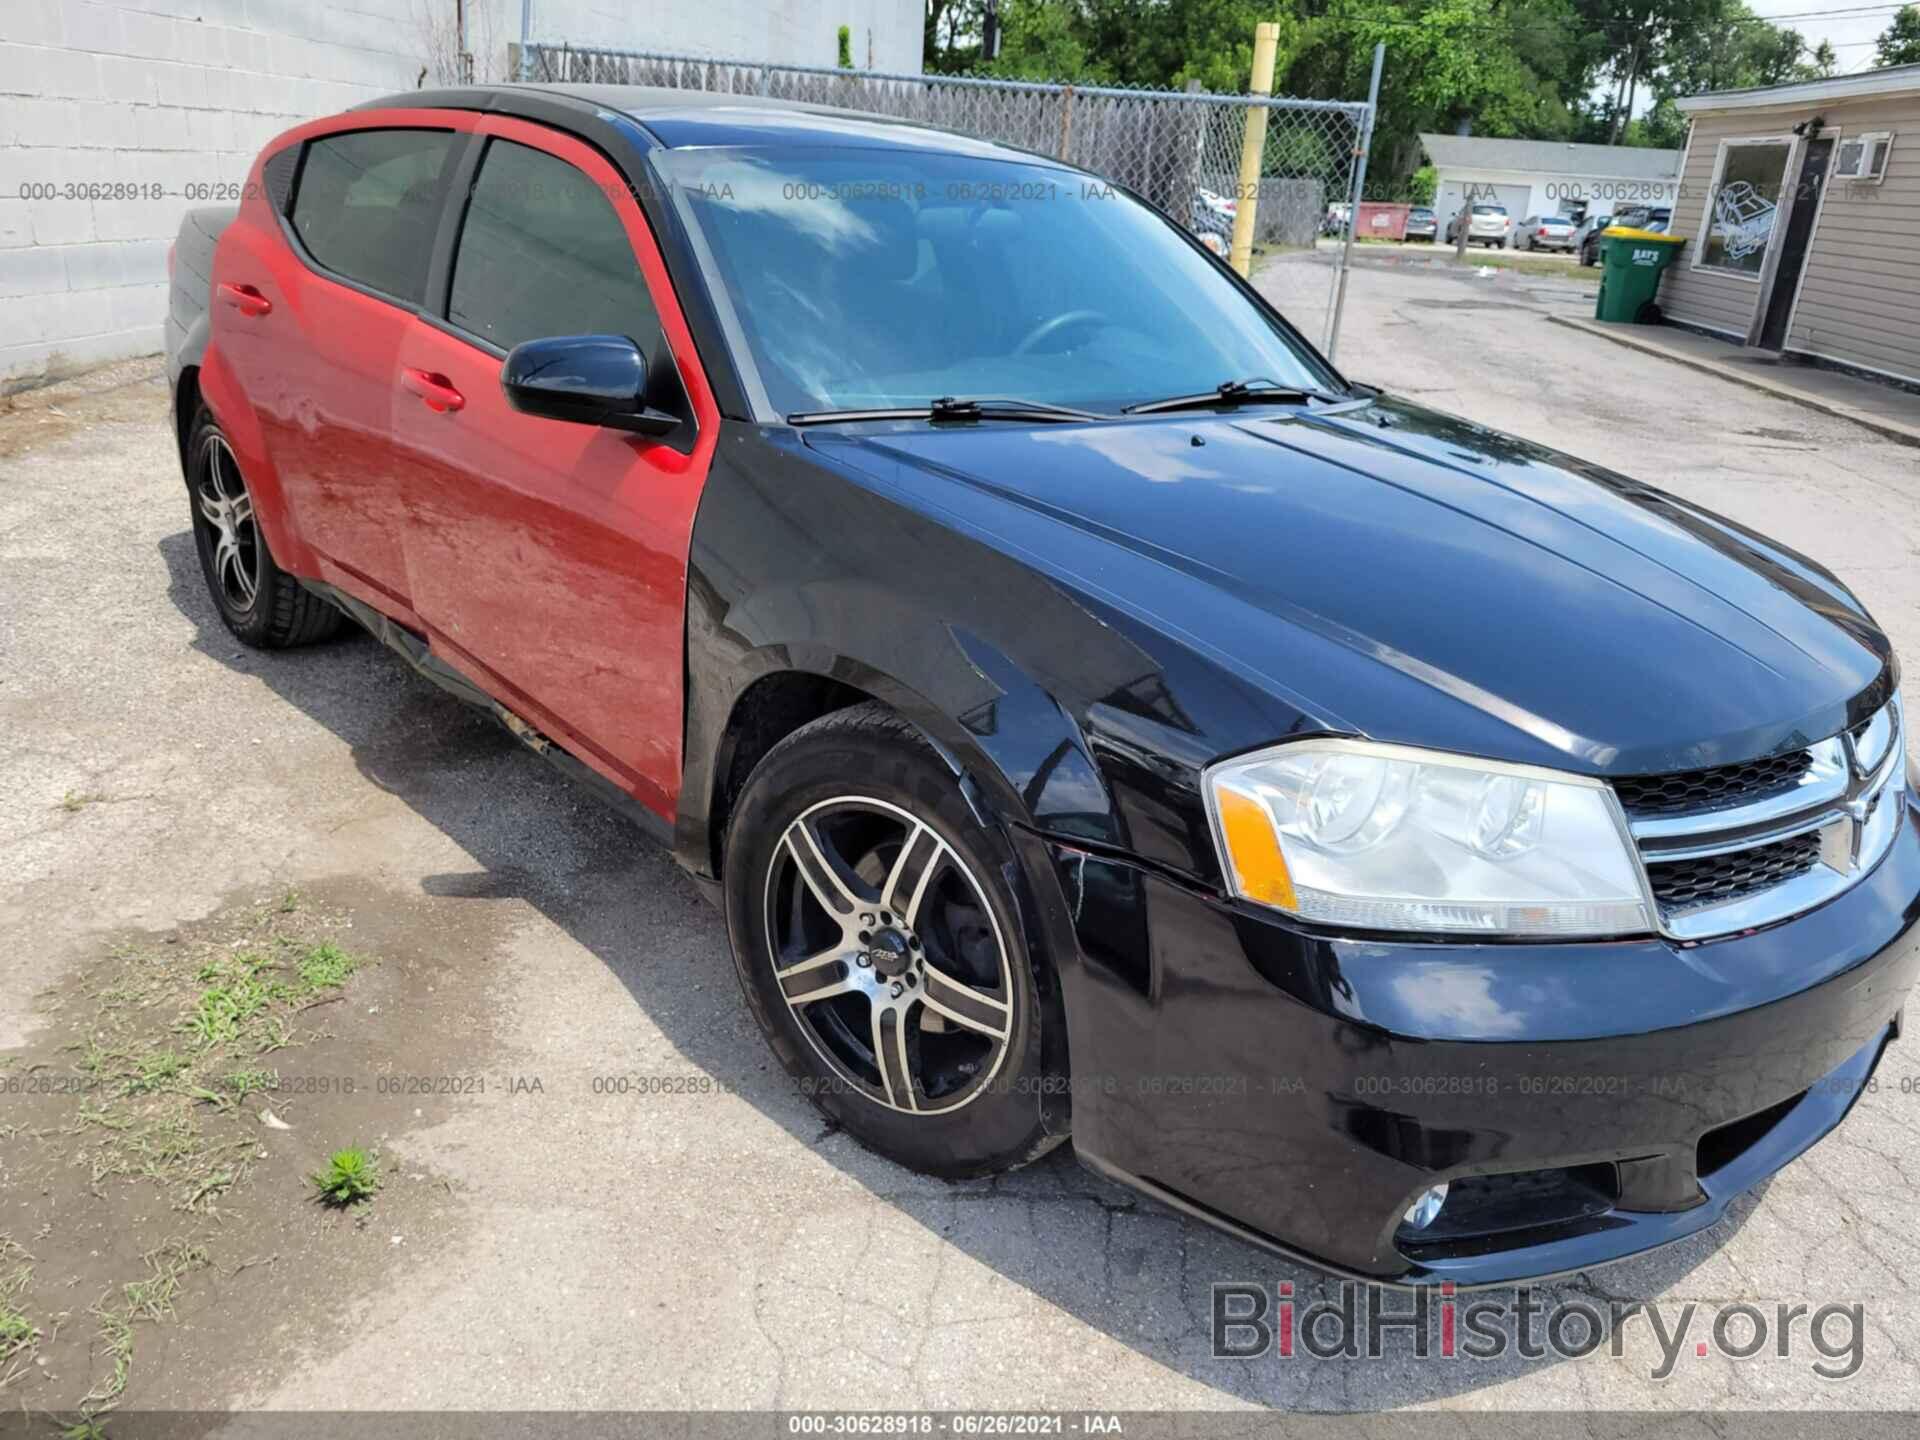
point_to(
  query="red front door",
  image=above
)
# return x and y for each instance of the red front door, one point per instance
(547, 559)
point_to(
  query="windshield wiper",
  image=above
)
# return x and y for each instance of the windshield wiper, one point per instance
(952, 407)
(1257, 391)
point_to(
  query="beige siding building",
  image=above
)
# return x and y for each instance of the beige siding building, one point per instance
(1801, 208)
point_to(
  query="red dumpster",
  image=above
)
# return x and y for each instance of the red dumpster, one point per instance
(1381, 220)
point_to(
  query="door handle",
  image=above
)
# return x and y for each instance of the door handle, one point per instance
(245, 298)
(436, 390)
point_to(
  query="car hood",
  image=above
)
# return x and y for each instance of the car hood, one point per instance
(1401, 574)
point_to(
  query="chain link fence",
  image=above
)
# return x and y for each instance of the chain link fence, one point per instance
(1179, 149)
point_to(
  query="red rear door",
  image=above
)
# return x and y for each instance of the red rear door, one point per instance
(547, 560)
(312, 340)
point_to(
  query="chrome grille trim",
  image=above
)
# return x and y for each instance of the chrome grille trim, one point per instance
(1823, 784)
(1852, 799)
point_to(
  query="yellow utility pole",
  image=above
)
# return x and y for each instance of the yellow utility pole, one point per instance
(1266, 41)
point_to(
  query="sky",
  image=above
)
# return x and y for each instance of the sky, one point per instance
(1852, 25)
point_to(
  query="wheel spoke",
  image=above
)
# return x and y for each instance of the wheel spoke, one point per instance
(820, 874)
(890, 1056)
(240, 512)
(913, 868)
(223, 482)
(812, 962)
(234, 573)
(964, 1005)
(211, 505)
(816, 985)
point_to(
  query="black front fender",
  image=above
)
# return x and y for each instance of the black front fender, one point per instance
(795, 571)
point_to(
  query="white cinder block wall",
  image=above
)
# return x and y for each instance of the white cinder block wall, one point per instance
(116, 116)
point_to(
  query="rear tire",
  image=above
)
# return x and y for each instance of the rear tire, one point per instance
(880, 949)
(258, 601)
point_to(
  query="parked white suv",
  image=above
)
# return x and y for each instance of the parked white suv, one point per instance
(1491, 226)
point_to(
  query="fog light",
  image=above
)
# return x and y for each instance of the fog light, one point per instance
(1426, 1209)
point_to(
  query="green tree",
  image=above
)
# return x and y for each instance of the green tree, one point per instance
(1500, 67)
(1161, 44)
(1727, 48)
(1899, 43)
(951, 42)
(1636, 37)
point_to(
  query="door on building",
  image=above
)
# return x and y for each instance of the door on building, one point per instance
(1793, 246)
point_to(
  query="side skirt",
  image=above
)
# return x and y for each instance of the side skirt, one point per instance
(414, 650)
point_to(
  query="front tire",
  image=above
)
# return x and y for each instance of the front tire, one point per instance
(879, 946)
(258, 601)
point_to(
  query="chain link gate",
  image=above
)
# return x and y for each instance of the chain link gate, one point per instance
(1178, 149)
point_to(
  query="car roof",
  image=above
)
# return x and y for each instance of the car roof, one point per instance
(680, 119)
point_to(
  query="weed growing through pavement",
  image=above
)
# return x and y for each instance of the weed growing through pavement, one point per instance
(351, 1176)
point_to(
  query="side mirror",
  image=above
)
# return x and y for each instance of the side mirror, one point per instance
(587, 379)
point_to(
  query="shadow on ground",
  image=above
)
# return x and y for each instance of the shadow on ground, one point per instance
(1112, 1260)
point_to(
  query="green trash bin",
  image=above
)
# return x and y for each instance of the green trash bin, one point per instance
(1631, 265)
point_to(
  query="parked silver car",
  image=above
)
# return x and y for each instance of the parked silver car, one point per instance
(1544, 232)
(1421, 224)
(1491, 226)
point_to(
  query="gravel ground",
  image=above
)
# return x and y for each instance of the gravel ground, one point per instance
(720, 1248)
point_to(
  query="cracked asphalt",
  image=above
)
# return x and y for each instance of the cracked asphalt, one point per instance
(721, 1247)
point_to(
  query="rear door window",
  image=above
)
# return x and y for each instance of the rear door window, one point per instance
(368, 204)
(543, 252)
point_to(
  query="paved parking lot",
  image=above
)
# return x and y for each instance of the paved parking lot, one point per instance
(716, 1245)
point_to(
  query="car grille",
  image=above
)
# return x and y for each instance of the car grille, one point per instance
(1709, 789)
(1742, 846)
(1709, 879)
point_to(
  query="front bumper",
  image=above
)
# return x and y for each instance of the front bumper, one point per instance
(1302, 1089)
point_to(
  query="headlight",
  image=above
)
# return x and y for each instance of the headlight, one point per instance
(1385, 837)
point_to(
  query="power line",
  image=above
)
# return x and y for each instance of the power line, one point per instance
(1856, 13)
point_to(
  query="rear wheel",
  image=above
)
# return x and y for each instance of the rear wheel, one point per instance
(879, 947)
(258, 601)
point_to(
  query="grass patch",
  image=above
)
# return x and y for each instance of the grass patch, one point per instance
(223, 1012)
(170, 1040)
(156, 1071)
(326, 967)
(18, 1334)
(149, 1300)
(242, 1083)
(351, 1176)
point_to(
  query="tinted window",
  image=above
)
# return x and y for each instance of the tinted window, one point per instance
(861, 277)
(543, 253)
(367, 205)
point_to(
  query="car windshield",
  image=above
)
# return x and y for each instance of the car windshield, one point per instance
(1489, 210)
(871, 278)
